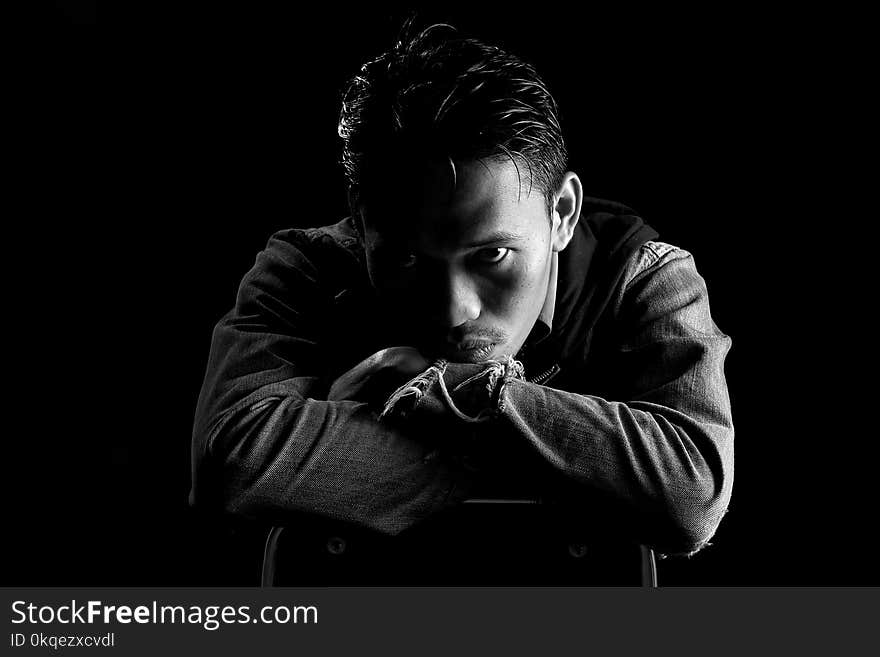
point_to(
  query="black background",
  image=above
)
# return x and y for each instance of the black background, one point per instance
(156, 163)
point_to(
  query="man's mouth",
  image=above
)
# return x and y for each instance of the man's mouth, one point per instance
(472, 351)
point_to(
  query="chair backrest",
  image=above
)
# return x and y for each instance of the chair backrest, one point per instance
(332, 541)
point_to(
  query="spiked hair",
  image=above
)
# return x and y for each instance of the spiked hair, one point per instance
(437, 95)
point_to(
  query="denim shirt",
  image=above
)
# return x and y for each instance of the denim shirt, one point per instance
(655, 461)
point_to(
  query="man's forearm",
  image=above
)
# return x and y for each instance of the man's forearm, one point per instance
(658, 454)
(672, 472)
(280, 452)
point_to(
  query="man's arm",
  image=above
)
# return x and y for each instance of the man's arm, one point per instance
(266, 444)
(663, 450)
(657, 459)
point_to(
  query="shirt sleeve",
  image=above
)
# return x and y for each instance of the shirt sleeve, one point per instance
(658, 457)
(265, 445)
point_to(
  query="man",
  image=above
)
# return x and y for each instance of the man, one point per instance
(476, 328)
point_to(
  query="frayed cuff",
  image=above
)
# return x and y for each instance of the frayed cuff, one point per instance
(496, 372)
(413, 390)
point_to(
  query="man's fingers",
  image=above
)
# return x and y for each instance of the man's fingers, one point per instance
(406, 360)
(380, 373)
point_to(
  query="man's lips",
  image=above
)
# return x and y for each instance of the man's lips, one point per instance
(472, 351)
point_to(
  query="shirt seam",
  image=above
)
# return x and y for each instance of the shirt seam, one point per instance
(661, 258)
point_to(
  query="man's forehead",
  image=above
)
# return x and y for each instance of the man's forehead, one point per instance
(463, 202)
(468, 187)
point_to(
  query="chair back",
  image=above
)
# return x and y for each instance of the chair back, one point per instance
(485, 542)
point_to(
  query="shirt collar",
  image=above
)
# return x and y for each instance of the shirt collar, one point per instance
(544, 324)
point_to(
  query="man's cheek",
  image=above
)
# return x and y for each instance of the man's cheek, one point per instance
(503, 297)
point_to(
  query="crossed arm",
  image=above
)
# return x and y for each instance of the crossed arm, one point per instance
(271, 439)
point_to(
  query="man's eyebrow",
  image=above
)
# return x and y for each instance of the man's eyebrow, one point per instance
(494, 238)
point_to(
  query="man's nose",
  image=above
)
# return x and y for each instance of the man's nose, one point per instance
(457, 300)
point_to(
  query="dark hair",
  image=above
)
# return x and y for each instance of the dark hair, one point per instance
(439, 95)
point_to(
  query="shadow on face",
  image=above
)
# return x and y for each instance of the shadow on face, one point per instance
(461, 257)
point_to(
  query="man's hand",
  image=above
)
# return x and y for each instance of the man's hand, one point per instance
(374, 379)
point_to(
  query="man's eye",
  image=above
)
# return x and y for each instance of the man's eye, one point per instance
(492, 256)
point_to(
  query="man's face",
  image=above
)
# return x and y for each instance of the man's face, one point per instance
(462, 268)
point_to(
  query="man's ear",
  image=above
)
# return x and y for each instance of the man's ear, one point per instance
(566, 210)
